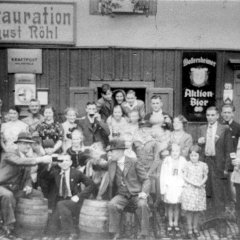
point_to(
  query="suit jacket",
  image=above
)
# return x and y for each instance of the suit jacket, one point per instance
(98, 132)
(234, 128)
(15, 170)
(135, 176)
(223, 147)
(76, 178)
(105, 108)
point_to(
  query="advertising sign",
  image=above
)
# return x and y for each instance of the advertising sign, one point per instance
(198, 84)
(25, 88)
(37, 22)
(24, 60)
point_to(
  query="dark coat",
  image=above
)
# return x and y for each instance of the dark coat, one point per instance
(98, 132)
(15, 170)
(105, 108)
(135, 176)
(76, 178)
(223, 147)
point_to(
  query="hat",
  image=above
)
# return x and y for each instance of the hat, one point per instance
(145, 124)
(24, 137)
(116, 145)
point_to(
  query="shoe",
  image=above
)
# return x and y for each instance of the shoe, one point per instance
(177, 231)
(196, 233)
(189, 235)
(142, 237)
(169, 231)
(116, 236)
(72, 236)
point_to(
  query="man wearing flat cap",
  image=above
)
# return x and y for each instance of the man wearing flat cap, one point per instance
(15, 179)
(132, 185)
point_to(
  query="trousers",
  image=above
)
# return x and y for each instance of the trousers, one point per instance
(8, 200)
(118, 203)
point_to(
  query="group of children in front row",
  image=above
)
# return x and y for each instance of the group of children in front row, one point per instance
(182, 183)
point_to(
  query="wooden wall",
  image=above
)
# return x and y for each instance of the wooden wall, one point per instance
(72, 67)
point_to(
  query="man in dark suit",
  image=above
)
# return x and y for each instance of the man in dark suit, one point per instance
(15, 179)
(70, 197)
(228, 116)
(132, 185)
(93, 128)
(217, 145)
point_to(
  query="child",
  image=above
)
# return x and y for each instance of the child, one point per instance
(194, 195)
(68, 126)
(116, 123)
(133, 104)
(78, 153)
(171, 186)
(133, 124)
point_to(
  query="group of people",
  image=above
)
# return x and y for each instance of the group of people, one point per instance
(119, 153)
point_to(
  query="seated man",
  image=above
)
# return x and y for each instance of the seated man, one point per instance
(132, 185)
(70, 197)
(15, 179)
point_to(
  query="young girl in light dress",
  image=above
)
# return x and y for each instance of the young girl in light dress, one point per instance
(171, 186)
(193, 199)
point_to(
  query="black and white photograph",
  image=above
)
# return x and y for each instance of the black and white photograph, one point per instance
(120, 119)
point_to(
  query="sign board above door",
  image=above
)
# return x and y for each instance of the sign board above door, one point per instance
(37, 22)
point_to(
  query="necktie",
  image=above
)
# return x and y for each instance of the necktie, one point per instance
(64, 186)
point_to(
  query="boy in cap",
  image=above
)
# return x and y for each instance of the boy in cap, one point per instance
(15, 179)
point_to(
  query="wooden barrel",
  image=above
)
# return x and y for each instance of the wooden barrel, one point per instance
(31, 215)
(94, 216)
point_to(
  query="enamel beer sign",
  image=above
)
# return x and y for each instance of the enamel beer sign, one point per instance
(198, 84)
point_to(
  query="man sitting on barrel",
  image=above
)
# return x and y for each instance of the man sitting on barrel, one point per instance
(132, 185)
(15, 179)
(70, 197)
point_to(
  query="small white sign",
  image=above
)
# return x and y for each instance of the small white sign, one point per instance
(24, 93)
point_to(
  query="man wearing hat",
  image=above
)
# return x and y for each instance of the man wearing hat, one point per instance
(132, 186)
(15, 178)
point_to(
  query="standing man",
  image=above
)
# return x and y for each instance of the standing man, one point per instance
(93, 128)
(34, 117)
(217, 144)
(228, 115)
(15, 179)
(132, 186)
(105, 104)
(157, 115)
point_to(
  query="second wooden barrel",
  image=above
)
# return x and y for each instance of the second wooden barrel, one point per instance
(32, 214)
(94, 216)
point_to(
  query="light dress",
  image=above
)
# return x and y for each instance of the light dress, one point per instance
(171, 179)
(194, 198)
